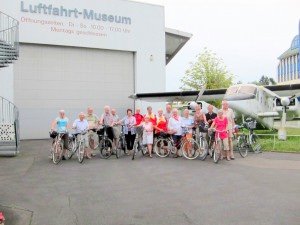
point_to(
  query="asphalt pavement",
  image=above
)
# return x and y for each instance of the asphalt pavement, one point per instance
(261, 189)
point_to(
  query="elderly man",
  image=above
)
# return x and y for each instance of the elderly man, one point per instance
(93, 122)
(168, 113)
(116, 128)
(138, 116)
(81, 125)
(230, 117)
(62, 124)
(108, 120)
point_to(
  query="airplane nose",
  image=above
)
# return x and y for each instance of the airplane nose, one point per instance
(285, 101)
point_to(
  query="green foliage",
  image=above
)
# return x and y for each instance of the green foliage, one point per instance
(271, 143)
(265, 80)
(208, 70)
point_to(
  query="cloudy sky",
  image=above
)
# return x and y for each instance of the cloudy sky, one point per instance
(247, 35)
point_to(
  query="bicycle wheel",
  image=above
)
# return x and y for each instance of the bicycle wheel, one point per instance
(134, 149)
(255, 143)
(80, 152)
(190, 149)
(203, 149)
(217, 151)
(71, 147)
(105, 147)
(162, 148)
(242, 145)
(57, 153)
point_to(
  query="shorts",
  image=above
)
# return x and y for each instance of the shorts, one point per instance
(230, 133)
(147, 138)
(117, 131)
(92, 135)
(225, 144)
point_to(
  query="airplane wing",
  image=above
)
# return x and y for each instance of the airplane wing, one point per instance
(202, 95)
(284, 89)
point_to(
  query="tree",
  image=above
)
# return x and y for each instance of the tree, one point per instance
(208, 70)
(265, 80)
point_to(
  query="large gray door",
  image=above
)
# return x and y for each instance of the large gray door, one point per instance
(50, 78)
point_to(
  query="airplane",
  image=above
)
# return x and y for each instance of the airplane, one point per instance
(262, 103)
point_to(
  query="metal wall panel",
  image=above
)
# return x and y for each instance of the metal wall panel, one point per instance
(49, 78)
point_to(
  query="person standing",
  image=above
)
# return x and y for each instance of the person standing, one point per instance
(139, 130)
(93, 122)
(221, 124)
(188, 124)
(62, 125)
(231, 124)
(175, 129)
(138, 116)
(81, 125)
(107, 120)
(129, 130)
(116, 128)
(210, 116)
(147, 133)
(152, 119)
(168, 113)
(199, 121)
(161, 124)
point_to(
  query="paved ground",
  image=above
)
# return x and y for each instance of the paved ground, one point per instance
(260, 189)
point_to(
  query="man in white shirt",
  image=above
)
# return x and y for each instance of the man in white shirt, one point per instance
(81, 125)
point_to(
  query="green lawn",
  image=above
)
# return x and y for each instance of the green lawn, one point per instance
(269, 143)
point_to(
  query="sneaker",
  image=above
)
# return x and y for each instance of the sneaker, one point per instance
(63, 157)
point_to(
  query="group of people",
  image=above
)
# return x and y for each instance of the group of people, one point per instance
(149, 126)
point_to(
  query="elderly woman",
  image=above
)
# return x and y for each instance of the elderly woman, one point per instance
(175, 128)
(221, 124)
(161, 123)
(128, 122)
(188, 124)
(147, 133)
(199, 119)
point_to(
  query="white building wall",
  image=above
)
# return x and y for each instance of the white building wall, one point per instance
(143, 38)
(7, 83)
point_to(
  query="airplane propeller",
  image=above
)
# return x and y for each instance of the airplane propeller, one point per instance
(285, 102)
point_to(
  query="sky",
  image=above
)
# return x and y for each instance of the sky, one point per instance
(248, 35)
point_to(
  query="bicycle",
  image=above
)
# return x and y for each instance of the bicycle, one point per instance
(138, 145)
(105, 144)
(76, 145)
(202, 142)
(164, 146)
(189, 146)
(57, 147)
(248, 141)
(121, 143)
(217, 146)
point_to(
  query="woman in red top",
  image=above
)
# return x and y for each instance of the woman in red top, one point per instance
(221, 124)
(161, 123)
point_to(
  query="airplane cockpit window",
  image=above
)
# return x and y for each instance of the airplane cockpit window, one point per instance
(241, 90)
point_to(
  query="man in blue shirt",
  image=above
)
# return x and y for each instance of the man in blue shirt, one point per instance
(62, 124)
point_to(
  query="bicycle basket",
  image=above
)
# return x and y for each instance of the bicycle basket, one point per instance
(251, 125)
(53, 134)
(203, 127)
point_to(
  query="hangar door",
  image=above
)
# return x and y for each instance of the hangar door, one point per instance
(49, 78)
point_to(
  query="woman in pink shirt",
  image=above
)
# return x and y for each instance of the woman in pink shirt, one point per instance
(147, 133)
(221, 124)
